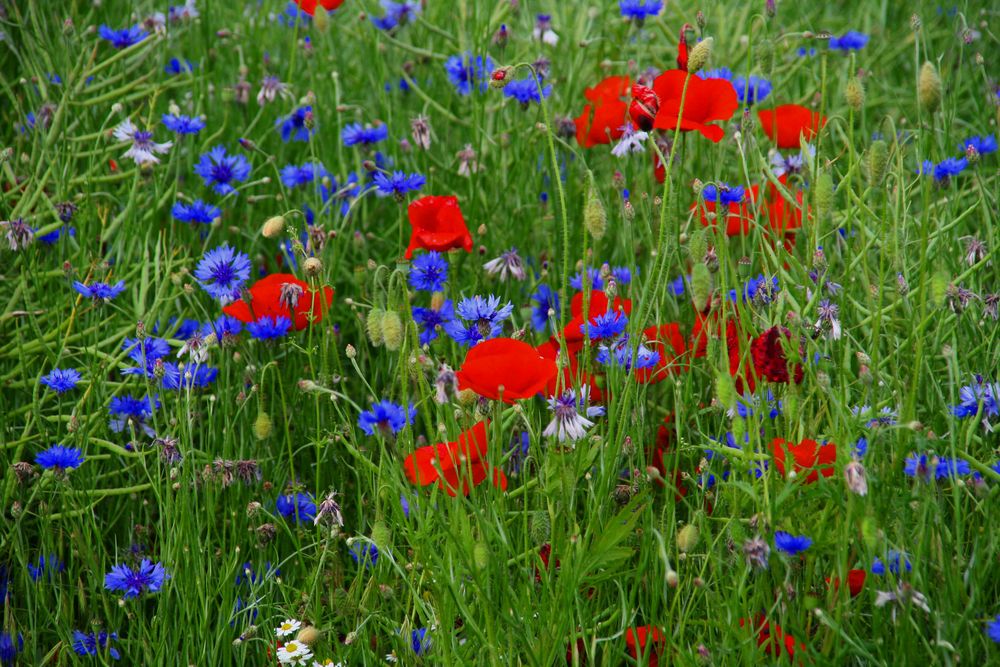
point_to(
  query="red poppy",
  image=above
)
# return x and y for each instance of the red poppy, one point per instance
(786, 123)
(545, 555)
(656, 457)
(769, 361)
(581, 651)
(571, 374)
(602, 119)
(642, 110)
(682, 47)
(772, 638)
(460, 463)
(437, 224)
(636, 640)
(784, 215)
(667, 341)
(505, 366)
(309, 6)
(705, 100)
(855, 582)
(596, 306)
(808, 455)
(738, 218)
(282, 295)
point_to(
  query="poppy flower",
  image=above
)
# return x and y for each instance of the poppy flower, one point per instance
(597, 306)
(437, 224)
(772, 638)
(737, 214)
(808, 455)
(602, 120)
(656, 457)
(784, 216)
(667, 341)
(636, 640)
(460, 463)
(786, 123)
(855, 582)
(282, 295)
(642, 110)
(581, 651)
(309, 6)
(682, 47)
(769, 361)
(505, 369)
(705, 100)
(571, 375)
(545, 555)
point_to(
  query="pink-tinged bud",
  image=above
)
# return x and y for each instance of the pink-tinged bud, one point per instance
(856, 478)
(645, 103)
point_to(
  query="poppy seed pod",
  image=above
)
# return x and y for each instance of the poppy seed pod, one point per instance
(701, 286)
(373, 325)
(595, 218)
(263, 426)
(273, 227)
(855, 93)
(929, 87)
(700, 54)
(392, 330)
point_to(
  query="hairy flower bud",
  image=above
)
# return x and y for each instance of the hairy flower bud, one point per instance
(392, 330)
(878, 160)
(273, 227)
(481, 555)
(701, 286)
(263, 426)
(373, 326)
(687, 538)
(700, 54)
(595, 218)
(824, 193)
(698, 246)
(929, 87)
(855, 93)
(540, 527)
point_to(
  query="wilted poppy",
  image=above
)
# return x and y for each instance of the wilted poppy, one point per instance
(637, 639)
(437, 224)
(602, 120)
(769, 361)
(667, 341)
(808, 455)
(737, 214)
(772, 638)
(309, 6)
(454, 465)
(505, 369)
(705, 100)
(282, 295)
(785, 124)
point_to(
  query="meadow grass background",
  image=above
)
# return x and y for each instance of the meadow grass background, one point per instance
(466, 567)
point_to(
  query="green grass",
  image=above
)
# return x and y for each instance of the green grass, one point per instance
(468, 567)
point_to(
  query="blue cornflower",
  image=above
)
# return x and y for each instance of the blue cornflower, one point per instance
(861, 448)
(59, 458)
(639, 10)
(803, 52)
(526, 91)
(791, 544)
(293, 176)
(124, 38)
(55, 235)
(396, 14)
(269, 328)
(183, 124)
(219, 170)
(546, 299)
(978, 398)
(292, 15)
(849, 41)
(387, 417)
(298, 125)
(419, 641)
(364, 135)
(951, 467)
(94, 643)
(752, 89)
(50, 565)
(759, 290)
(949, 167)
(993, 629)
(676, 286)
(397, 184)
(623, 274)
(146, 350)
(99, 291)
(608, 325)
(196, 211)
(129, 411)
(983, 145)
(177, 66)
(9, 648)
(363, 553)
(222, 272)
(884, 417)
(226, 328)
(723, 193)
(894, 559)
(627, 356)
(301, 507)
(748, 404)
(596, 281)
(431, 319)
(61, 380)
(197, 375)
(429, 272)
(465, 71)
(149, 576)
(484, 319)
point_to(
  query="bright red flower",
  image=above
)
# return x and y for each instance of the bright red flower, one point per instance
(602, 119)
(636, 640)
(597, 305)
(514, 365)
(437, 224)
(282, 295)
(783, 215)
(642, 110)
(786, 123)
(571, 374)
(808, 455)
(737, 219)
(769, 361)
(682, 47)
(772, 638)
(309, 6)
(706, 100)
(855, 582)
(656, 457)
(667, 340)
(462, 463)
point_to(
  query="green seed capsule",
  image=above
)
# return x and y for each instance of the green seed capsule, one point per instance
(540, 527)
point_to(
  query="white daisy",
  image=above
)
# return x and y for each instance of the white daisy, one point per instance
(294, 653)
(288, 627)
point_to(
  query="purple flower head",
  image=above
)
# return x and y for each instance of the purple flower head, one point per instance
(59, 458)
(61, 380)
(220, 170)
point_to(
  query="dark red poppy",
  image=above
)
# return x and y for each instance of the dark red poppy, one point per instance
(282, 295)
(769, 361)
(785, 124)
(581, 650)
(738, 218)
(808, 455)
(855, 582)
(667, 341)
(602, 120)
(545, 555)
(772, 638)
(505, 366)
(437, 224)
(682, 47)
(705, 100)
(642, 110)
(637, 639)
(309, 6)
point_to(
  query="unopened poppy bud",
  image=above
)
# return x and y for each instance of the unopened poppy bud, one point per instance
(595, 218)
(392, 330)
(824, 193)
(700, 54)
(725, 390)
(698, 246)
(273, 227)
(312, 266)
(350, 351)
(263, 426)
(501, 76)
(929, 87)
(855, 93)
(939, 288)
(373, 326)
(687, 538)
(321, 19)
(540, 527)
(701, 286)
(309, 635)
(878, 160)
(481, 555)
(381, 535)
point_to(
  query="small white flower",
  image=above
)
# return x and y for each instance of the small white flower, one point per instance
(143, 147)
(547, 36)
(294, 653)
(631, 142)
(287, 627)
(329, 663)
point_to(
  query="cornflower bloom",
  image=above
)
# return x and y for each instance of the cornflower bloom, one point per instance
(61, 380)
(298, 125)
(357, 134)
(397, 184)
(124, 38)
(527, 91)
(197, 211)
(95, 643)
(432, 318)
(180, 124)
(222, 272)
(484, 316)
(429, 272)
(220, 170)
(143, 148)
(509, 262)
(59, 458)
(271, 88)
(567, 421)
(387, 417)
(99, 291)
(791, 544)
(148, 576)
(465, 71)
(546, 301)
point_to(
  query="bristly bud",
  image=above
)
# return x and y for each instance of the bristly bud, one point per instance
(687, 538)
(373, 326)
(392, 330)
(381, 535)
(929, 87)
(701, 286)
(481, 555)
(540, 527)
(824, 193)
(312, 267)
(765, 56)
(309, 635)
(595, 218)
(855, 93)
(878, 160)
(725, 390)
(501, 76)
(939, 288)
(321, 20)
(671, 578)
(273, 227)
(698, 246)
(700, 55)
(263, 426)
